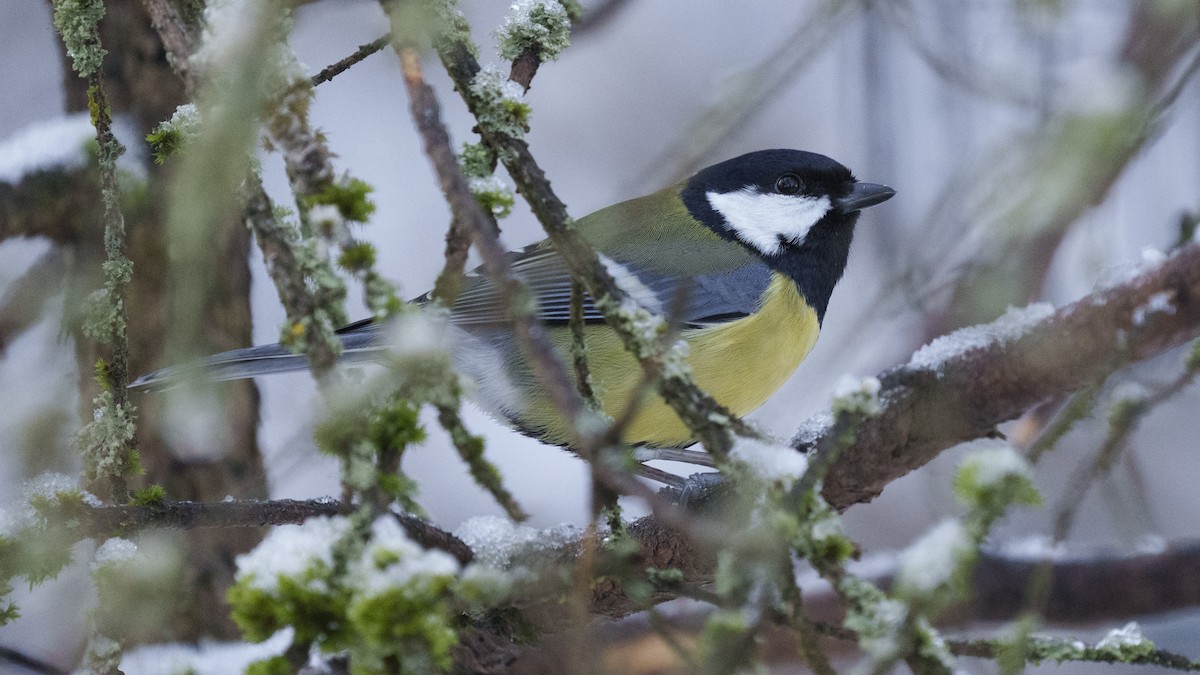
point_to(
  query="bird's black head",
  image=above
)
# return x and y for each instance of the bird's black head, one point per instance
(796, 210)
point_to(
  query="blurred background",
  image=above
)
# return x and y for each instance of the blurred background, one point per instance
(1038, 149)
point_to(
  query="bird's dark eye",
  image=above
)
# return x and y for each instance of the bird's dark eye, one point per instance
(788, 184)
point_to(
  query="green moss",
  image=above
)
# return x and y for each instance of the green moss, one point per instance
(349, 196)
(150, 495)
(992, 478)
(37, 555)
(452, 28)
(171, 136)
(668, 577)
(396, 425)
(93, 104)
(493, 195)
(722, 644)
(8, 610)
(357, 257)
(308, 604)
(408, 625)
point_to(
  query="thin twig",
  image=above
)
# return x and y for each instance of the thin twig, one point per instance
(333, 70)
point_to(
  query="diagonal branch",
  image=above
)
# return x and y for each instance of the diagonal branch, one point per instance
(927, 410)
(22, 305)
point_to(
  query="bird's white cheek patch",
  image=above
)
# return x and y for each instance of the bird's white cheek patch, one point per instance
(766, 221)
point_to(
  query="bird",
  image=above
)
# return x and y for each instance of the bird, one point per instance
(751, 246)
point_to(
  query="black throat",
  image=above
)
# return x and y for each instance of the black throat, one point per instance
(818, 263)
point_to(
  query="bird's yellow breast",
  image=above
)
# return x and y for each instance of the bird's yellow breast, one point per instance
(740, 363)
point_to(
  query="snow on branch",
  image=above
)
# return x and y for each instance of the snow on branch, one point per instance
(963, 389)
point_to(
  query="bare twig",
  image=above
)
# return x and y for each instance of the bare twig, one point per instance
(333, 70)
(597, 15)
(104, 521)
(26, 662)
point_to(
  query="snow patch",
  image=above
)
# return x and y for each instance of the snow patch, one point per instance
(771, 461)
(113, 551)
(498, 541)
(290, 550)
(1159, 303)
(1013, 325)
(993, 460)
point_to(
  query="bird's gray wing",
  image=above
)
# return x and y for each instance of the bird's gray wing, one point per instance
(708, 298)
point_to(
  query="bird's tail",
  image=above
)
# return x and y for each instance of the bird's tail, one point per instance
(238, 364)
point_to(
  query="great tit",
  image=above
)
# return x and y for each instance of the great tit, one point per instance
(755, 245)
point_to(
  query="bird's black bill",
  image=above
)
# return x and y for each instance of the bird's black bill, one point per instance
(864, 195)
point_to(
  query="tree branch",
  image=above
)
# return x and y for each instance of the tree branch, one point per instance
(926, 411)
(105, 521)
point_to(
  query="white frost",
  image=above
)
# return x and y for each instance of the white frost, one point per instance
(289, 550)
(1015, 323)
(992, 460)
(1151, 258)
(1130, 635)
(404, 561)
(1035, 548)
(114, 551)
(1159, 303)
(18, 514)
(813, 428)
(498, 541)
(857, 394)
(771, 461)
(206, 658)
(930, 562)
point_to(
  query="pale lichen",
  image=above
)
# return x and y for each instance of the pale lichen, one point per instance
(77, 21)
(538, 25)
(500, 103)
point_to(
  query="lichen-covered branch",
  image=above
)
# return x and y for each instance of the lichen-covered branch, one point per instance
(103, 521)
(107, 442)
